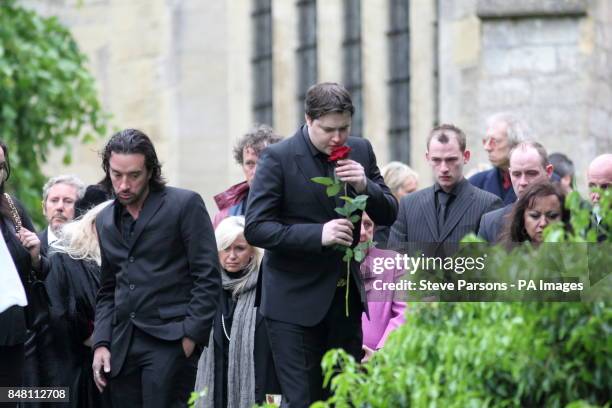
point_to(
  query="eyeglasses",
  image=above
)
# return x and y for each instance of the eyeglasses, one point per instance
(490, 140)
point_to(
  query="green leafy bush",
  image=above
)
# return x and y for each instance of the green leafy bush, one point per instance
(47, 97)
(484, 354)
(496, 354)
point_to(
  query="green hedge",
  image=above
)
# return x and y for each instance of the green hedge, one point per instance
(497, 354)
(484, 354)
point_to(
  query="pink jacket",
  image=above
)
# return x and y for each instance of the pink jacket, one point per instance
(386, 314)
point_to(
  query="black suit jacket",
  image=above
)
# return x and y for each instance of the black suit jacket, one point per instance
(166, 282)
(492, 224)
(43, 236)
(416, 228)
(285, 214)
(45, 266)
(12, 320)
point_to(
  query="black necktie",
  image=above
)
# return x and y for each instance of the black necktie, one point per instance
(328, 167)
(443, 199)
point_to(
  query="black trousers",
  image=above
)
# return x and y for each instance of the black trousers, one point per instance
(31, 369)
(298, 350)
(11, 368)
(156, 373)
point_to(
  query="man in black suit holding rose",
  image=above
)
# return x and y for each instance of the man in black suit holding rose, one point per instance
(302, 285)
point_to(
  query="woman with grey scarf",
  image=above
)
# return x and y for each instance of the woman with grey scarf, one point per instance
(236, 369)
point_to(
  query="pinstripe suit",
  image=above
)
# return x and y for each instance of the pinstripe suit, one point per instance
(416, 227)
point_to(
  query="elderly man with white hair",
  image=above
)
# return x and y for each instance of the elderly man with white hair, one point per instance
(504, 132)
(60, 195)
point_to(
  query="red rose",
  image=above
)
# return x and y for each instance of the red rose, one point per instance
(339, 153)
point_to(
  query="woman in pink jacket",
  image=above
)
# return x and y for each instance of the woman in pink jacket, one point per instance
(385, 313)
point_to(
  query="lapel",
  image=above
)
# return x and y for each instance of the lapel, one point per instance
(44, 241)
(428, 210)
(152, 204)
(463, 201)
(510, 197)
(108, 221)
(305, 162)
(492, 183)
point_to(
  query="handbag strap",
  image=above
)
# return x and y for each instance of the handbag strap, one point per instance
(17, 220)
(14, 212)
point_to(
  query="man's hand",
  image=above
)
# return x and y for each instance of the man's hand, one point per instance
(30, 241)
(338, 231)
(101, 361)
(188, 346)
(351, 172)
(368, 353)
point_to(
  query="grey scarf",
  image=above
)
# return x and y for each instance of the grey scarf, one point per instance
(241, 365)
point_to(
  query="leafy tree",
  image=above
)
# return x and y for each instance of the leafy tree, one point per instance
(47, 97)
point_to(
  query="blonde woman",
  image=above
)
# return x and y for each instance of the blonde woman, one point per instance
(401, 180)
(237, 362)
(72, 284)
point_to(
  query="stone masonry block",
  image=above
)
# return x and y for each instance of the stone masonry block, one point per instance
(537, 31)
(467, 41)
(519, 61)
(552, 120)
(530, 8)
(562, 90)
(599, 121)
(602, 94)
(454, 10)
(570, 60)
(501, 93)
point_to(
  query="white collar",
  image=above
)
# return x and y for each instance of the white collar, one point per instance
(51, 237)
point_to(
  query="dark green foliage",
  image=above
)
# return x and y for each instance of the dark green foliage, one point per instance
(47, 97)
(497, 354)
(485, 354)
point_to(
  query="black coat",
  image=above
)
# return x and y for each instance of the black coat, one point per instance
(165, 281)
(492, 224)
(416, 229)
(72, 286)
(285, 215)
(12, 320)
(265, 374)
(43, 236)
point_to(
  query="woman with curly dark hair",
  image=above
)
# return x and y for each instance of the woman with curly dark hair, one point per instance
(540, 205)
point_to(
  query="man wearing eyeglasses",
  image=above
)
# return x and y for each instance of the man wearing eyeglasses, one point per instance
(504, 132)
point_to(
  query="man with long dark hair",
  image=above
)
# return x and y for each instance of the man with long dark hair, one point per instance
(159, 281)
